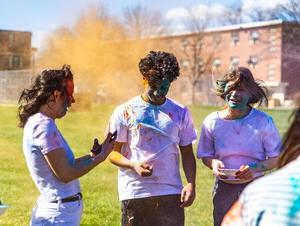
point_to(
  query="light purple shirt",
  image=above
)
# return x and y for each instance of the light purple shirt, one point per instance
(239, 142)
(41, 136)
(152, 134)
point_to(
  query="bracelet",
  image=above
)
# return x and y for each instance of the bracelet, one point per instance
(258, 165)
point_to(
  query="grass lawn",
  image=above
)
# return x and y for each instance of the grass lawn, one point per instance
(99, 187)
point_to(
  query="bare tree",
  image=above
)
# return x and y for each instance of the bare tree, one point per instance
(141, 22)
(290, 11)
(195, 55)
(236, 14)
(233, 15)
(260, 14)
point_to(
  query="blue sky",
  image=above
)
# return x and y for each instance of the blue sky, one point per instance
(42, 16)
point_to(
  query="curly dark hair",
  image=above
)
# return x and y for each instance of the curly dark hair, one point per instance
(42, 88)
(158, 65)
(291, 141)
(243, 75)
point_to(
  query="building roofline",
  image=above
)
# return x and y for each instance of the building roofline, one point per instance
(16, 31)
(244, 26)
(229, 28)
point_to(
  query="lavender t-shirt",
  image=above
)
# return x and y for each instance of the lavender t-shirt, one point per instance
(152, 134)
(41, 136)
(239, 142)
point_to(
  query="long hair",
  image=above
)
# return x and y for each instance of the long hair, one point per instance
(38, 94)
(291, 140)
(243, 75)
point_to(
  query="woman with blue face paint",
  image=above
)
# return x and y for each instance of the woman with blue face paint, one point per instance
(238, 137)
(274, 199)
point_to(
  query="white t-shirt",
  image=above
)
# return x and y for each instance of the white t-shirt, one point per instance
(41, 136)
(152, 135)
(239, 142)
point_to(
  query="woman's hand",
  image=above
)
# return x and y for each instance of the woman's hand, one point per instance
(216, 165)
(143, 169)
(245, 173)
(101, 151)
(96, 149)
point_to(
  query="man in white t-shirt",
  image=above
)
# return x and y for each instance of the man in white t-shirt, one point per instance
(150, 129)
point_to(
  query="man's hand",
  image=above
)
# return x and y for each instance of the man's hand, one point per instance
(143, 169)
(187, 195)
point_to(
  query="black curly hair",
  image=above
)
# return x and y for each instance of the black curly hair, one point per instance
(243, 75)
(159, 65)
(42, 88)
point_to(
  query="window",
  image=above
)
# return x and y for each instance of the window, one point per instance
(272, 49)
(184, 44)
(253, 61)
(199, 45)
(272, 40)
(217, 39)
(254, 36)
(271, 72)
(234, 60)
(15, 62)
(235, 38)
(199, 86)
(184, 86)
(200, 63)
(185, 64)
(201, 66)
(216, 63)
(11, 40)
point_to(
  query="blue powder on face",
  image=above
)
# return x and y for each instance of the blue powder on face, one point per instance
(295, 208)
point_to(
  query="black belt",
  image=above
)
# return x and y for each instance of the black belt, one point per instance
(73, 198)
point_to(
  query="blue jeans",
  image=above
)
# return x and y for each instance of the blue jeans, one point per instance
(162, 210)
(224, 196)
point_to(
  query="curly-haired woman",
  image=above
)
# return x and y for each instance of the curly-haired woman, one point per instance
(151, 128)
(238, 137)
(49, 158)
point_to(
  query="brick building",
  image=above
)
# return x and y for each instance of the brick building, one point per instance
(15, 50)
(270, 49)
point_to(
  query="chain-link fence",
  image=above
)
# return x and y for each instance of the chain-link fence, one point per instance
(12, 83)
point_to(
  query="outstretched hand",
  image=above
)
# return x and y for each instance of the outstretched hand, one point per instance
(96, 149)
(103, 150)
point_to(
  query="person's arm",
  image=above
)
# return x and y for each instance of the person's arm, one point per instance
(234, 216)
(189, 167)
(64, 171)
(248, 171)
(120, 160)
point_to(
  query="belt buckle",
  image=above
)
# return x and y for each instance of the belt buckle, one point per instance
(79, 195)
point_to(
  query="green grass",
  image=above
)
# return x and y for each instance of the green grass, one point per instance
(101, 206)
